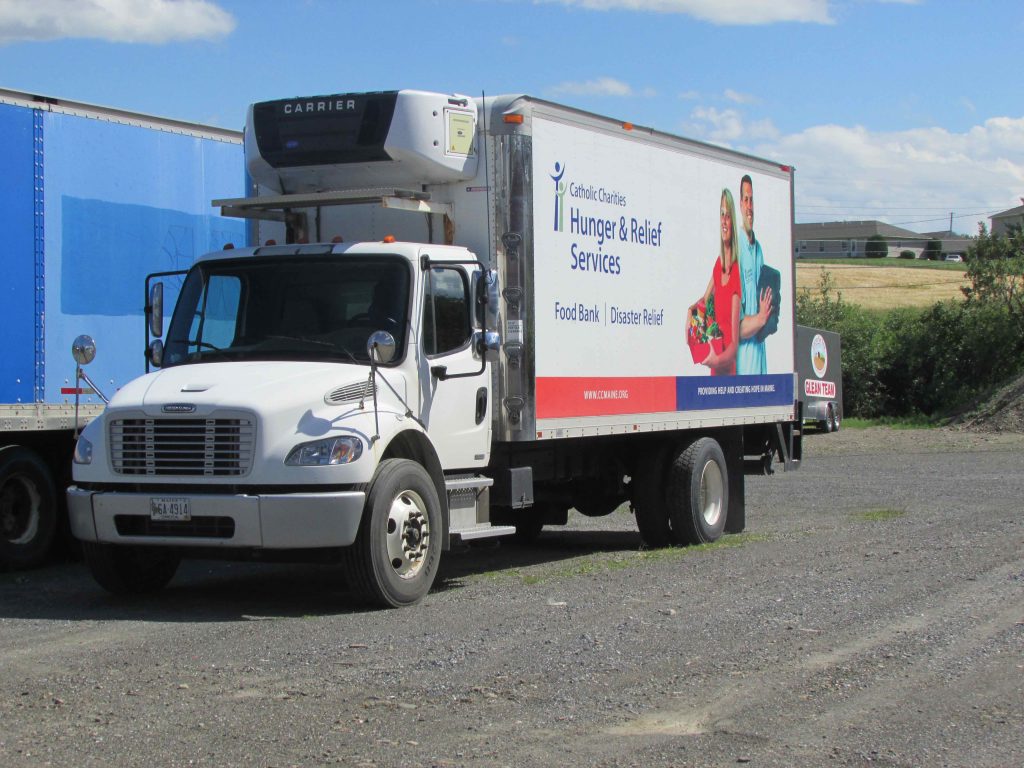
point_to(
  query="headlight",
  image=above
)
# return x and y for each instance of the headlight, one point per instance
(322, 453)
(83, 451)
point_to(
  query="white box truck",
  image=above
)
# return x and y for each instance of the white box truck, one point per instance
(474, 315)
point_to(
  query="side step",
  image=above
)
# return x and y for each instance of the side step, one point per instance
(469, 509)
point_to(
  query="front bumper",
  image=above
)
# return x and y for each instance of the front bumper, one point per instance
(268, 521)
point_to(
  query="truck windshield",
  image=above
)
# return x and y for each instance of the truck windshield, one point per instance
(288, 309)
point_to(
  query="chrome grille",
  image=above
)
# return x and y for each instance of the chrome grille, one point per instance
(206, 447)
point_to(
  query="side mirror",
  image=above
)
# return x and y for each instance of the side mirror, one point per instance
(156, 353)
(83, 349)
(489, 346)
(381, 347)
(155, 310)
(487, 292)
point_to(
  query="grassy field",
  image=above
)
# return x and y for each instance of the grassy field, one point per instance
(886, 283)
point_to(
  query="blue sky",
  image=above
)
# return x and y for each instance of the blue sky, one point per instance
(899, 110)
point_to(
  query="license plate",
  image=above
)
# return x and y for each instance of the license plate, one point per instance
(176, 510)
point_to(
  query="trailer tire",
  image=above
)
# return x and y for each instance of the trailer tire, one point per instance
(396, 554)
(129, 569)
(649, 502)
(831, 424)
(28, 508)
(698, 492)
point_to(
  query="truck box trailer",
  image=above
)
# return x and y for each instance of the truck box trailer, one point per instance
(819, 365)
(91, 200)
(464, 318)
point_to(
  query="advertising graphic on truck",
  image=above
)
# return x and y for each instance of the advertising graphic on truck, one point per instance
(819, 367)
(630, 226)
(462, 318)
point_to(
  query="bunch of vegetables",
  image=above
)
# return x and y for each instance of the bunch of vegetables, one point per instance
(703, 323)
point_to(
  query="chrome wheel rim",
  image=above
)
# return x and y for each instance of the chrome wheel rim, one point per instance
(408, 534)
(711, 492)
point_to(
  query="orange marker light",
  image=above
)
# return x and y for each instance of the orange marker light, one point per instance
(229, 246)
(389, 238)
(337, 239)
(514, 119)
(271, 241)
(627, 126)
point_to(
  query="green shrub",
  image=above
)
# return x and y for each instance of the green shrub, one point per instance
(909, 362)
(906, 254)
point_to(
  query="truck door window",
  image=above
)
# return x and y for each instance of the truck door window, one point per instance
(446, 322)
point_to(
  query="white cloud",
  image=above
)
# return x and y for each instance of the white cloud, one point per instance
(601, 86)
(724, 12)
(914, 177)
(739, 98)
(727, 127)
(122, 21)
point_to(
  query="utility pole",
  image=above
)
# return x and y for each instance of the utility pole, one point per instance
(950, 221)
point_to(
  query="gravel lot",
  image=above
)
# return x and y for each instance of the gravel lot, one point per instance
(872, 614)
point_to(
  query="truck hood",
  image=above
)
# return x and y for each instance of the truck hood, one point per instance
(257, 386)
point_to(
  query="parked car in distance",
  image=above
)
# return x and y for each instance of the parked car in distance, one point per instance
(954, 257)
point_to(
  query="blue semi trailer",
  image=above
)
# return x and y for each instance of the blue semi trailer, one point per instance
(92, 199)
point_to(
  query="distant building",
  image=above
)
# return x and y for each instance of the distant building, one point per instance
(1001, 222)
(846, 239)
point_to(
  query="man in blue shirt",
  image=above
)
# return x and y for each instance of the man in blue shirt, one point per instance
(754, 309)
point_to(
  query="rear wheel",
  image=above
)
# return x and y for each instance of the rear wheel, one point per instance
(830, 419)
(28, 508)
(649, 500)
(130, 570)
(395, 557)
(698, 492)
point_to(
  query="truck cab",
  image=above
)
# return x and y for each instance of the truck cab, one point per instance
(288, 377)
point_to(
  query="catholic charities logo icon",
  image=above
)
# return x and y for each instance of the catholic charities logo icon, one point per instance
(559, 196)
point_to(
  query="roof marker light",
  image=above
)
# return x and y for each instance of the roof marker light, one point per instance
(513, 119)
(337, 239)
(229, 246)
(271, 241)
(389, 238)
(627, 126)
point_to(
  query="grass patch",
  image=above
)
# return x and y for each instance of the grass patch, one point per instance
(595, 564)
(880, 515)
(893, 422)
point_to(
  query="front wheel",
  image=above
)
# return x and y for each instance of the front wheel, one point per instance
(698, 492)
(396, 554)
(128, 569)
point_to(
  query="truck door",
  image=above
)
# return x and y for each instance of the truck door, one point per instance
(456, 396)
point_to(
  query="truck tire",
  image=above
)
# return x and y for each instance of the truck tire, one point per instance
(698, 492)
(528, 527)
(396, 554)
(649, 502)
(130, 570)
(28, 508)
